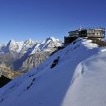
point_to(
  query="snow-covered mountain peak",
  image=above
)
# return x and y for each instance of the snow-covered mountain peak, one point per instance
(11, 42)
(51, 39)
(29, 41)
(14, 46)
(49, 43)
(23, 46)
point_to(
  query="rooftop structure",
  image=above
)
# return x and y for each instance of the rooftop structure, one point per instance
(84, 32)
(91, 32)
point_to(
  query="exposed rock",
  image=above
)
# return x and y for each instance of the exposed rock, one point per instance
(34, 60)
(4, 80)
(7, 72)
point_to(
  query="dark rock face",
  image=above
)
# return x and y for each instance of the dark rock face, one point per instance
(55, 62)
(4, 80)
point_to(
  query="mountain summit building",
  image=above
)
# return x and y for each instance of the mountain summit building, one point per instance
(83, 32)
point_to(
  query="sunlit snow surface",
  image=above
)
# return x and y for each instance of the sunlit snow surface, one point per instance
(79, 79)
(89, 83)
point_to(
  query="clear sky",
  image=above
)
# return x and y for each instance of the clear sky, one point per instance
(38, 19)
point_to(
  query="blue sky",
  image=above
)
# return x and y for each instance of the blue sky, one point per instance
(38, 19)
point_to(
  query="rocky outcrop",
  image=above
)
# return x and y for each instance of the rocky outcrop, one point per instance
(7, 72)
(34, 60)
(4, 80)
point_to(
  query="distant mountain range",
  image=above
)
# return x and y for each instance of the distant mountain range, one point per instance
(30, 46)
(25, 55)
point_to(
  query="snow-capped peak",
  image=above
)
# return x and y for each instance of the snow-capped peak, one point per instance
(51, 39)
(49, 43)
(14, 46)
(29, 41)
(29, 44)
(11, 42)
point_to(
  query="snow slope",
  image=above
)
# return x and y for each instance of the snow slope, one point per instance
(89, 83)
(76, 80)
